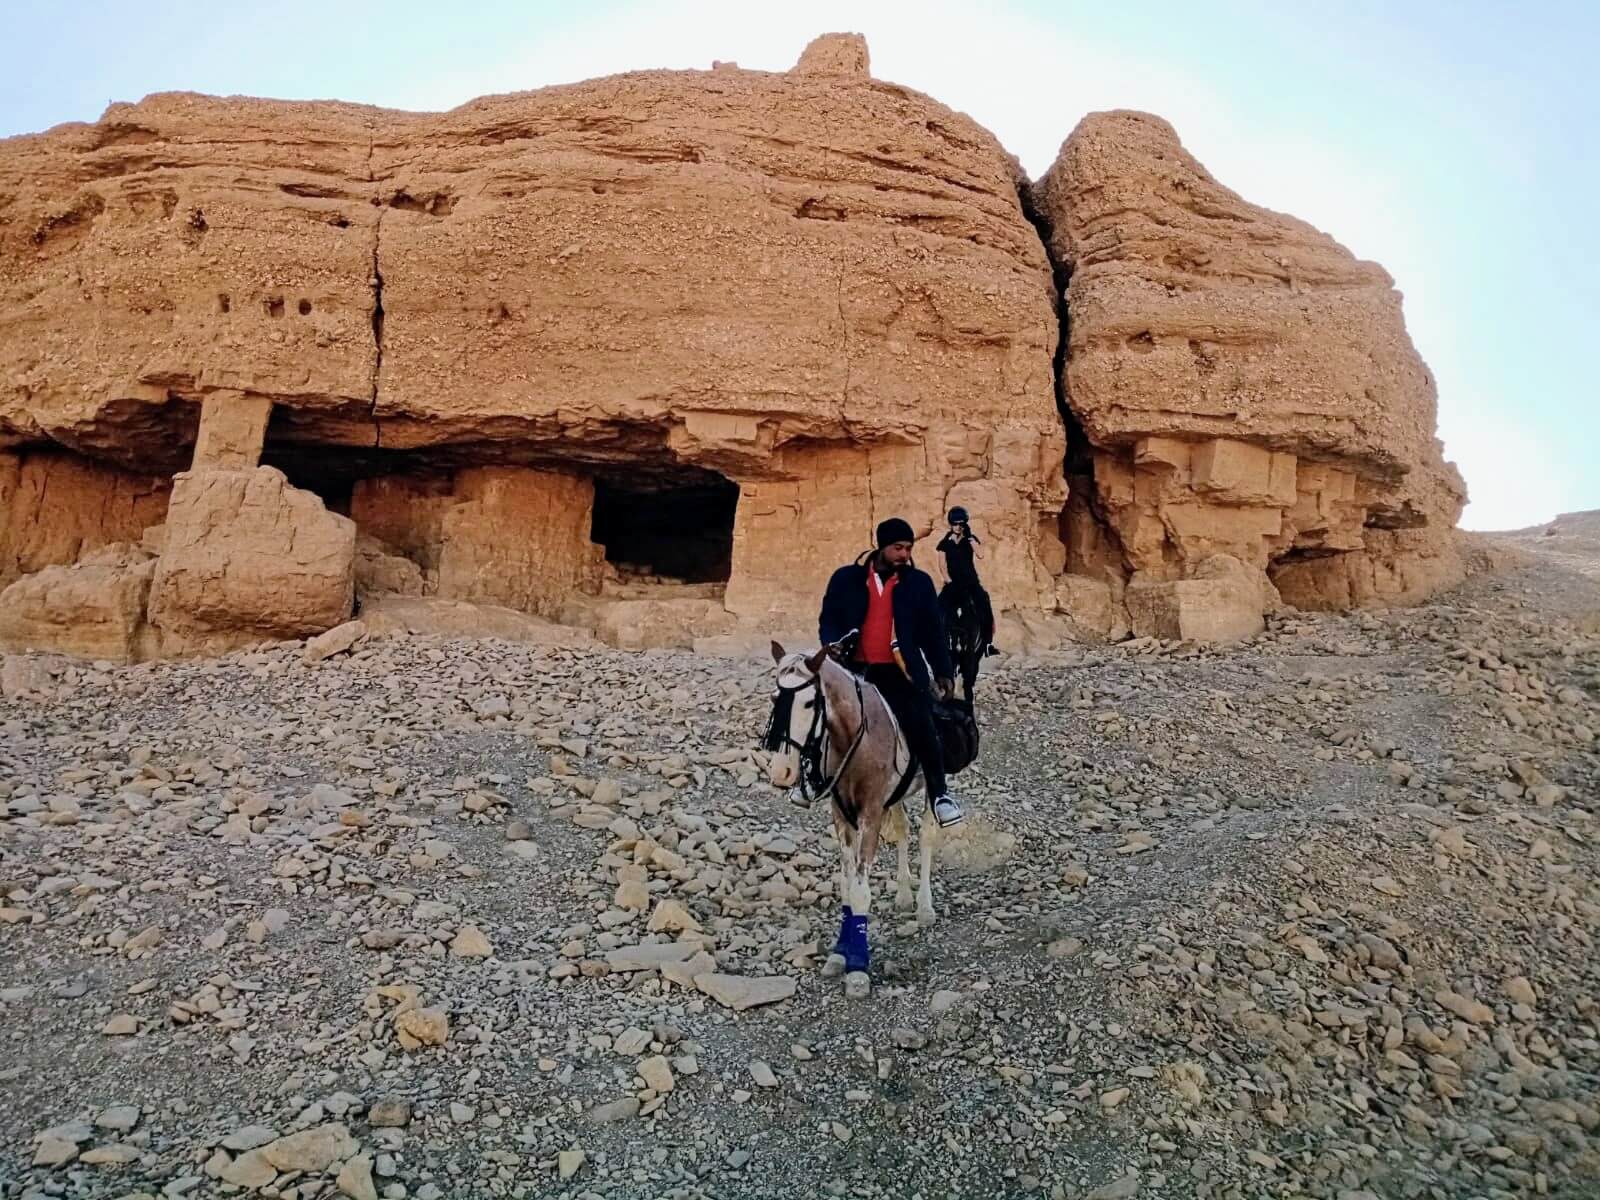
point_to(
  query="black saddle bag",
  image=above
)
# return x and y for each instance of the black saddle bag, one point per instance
(958, 731)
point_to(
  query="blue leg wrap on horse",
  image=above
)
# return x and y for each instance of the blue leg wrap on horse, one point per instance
(856, 954)
(843, 939)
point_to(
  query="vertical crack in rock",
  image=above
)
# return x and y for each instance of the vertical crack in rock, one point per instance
(377, 333)
(377, 309)
(1077, 465)
(872, 497)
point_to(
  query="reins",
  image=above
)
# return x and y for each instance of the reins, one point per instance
(815, 784)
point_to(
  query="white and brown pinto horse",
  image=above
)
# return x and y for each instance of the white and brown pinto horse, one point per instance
(833, 735)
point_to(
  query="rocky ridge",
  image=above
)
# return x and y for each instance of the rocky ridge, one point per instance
(668, 326)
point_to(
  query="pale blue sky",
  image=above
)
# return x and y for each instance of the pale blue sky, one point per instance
(1452, 142)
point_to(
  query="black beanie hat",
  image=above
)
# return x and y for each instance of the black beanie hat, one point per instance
(894, 530)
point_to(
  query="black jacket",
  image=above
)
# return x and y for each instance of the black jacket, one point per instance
(918, 627)
(958, 562)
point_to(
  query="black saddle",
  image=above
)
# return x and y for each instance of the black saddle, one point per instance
(958, 731)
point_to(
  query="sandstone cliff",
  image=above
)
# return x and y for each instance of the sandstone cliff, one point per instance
(675, 341)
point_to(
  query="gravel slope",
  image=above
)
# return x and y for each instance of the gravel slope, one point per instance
(1311, 917)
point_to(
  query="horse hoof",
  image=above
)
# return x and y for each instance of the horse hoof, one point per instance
(904, 901)
(834, 967)
(857, 985)
(925, 917)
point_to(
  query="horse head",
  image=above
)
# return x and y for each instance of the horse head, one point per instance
(794, 713)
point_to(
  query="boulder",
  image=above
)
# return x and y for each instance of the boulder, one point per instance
(249, 558)
(1241, 385)
(740, 992)
(250, 1170)
(92, 609)
(650, 956)
(379, 571)
(835, 54)
(355, 1179)
(336, 641)
(418, 1027)
(1222, 602)
(436, 617)
(313, 1149)
(1093, 605)
(24, 677)
(653, 624)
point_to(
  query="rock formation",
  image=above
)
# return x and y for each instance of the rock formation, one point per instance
(245, 557)
(56, 506)
(94, 608)
(1237, 384)
(651, 354)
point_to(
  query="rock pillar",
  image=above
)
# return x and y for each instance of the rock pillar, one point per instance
(233, 429)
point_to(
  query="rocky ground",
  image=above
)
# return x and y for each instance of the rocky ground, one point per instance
(1314, 917)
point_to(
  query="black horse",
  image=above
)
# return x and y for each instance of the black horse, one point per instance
(964, 629)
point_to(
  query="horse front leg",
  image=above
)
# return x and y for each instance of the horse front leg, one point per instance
(857, 981)
(843, 837)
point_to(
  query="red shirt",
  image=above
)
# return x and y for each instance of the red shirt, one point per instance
(877, 630)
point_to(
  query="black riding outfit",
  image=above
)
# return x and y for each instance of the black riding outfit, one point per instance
(963, 573)
(919, 633)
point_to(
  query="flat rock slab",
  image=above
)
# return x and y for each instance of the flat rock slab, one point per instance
(740, 992)
(311, 1149)
(650, 956)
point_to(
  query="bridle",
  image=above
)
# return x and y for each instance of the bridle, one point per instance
(815, 783)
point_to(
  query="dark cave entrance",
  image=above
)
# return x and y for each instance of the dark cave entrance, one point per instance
(674, 525)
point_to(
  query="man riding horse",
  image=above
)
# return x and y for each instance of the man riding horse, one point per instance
(884, 613)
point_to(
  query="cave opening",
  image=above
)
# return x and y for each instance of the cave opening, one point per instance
(669, 526)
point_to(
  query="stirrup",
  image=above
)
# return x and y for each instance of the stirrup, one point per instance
(944, 820)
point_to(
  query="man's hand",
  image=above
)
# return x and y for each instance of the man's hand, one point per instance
(947, 688)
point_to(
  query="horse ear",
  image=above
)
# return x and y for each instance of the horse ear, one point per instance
(814, 663)
(777, 653)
